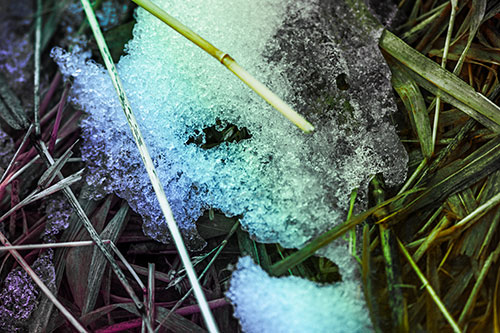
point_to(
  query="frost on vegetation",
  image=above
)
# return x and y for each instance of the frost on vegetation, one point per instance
(58, 212)
(287, 185)
(291, 304)
(18, 298)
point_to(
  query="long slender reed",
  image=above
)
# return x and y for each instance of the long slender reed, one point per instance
(230, 64)
(148, 163)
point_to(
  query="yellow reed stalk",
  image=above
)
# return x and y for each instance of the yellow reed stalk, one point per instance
(230, 64)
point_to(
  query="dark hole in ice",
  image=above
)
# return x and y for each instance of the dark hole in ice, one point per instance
(212, 137)
(341, 81)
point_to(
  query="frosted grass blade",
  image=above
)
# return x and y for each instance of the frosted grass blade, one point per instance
(230, 64)
(51, 245)
(148, 163)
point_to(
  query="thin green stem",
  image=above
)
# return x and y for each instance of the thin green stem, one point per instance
(429, 289)
(327, 237)
(443, 65)
(414, 176)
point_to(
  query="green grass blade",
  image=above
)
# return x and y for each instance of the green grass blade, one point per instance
(327, 237)
(414, 102)
(448, 98)
(480, 106)
(478, 9)
(431, 291)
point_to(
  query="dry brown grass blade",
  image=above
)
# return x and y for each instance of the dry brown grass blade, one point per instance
(430, 238)
(78, 260)
(98, 263)
(472, 217)
(41, 318)
(16, 154)
(10, 107)
(47, 158)
(174, 322)
(477, 165)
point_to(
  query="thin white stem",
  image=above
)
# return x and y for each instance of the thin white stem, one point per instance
(20, 171)
(50, 245)
(151, 170)
(127, 265)
(36, 76)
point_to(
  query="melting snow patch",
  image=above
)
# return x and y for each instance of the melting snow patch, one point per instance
(291, 304)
